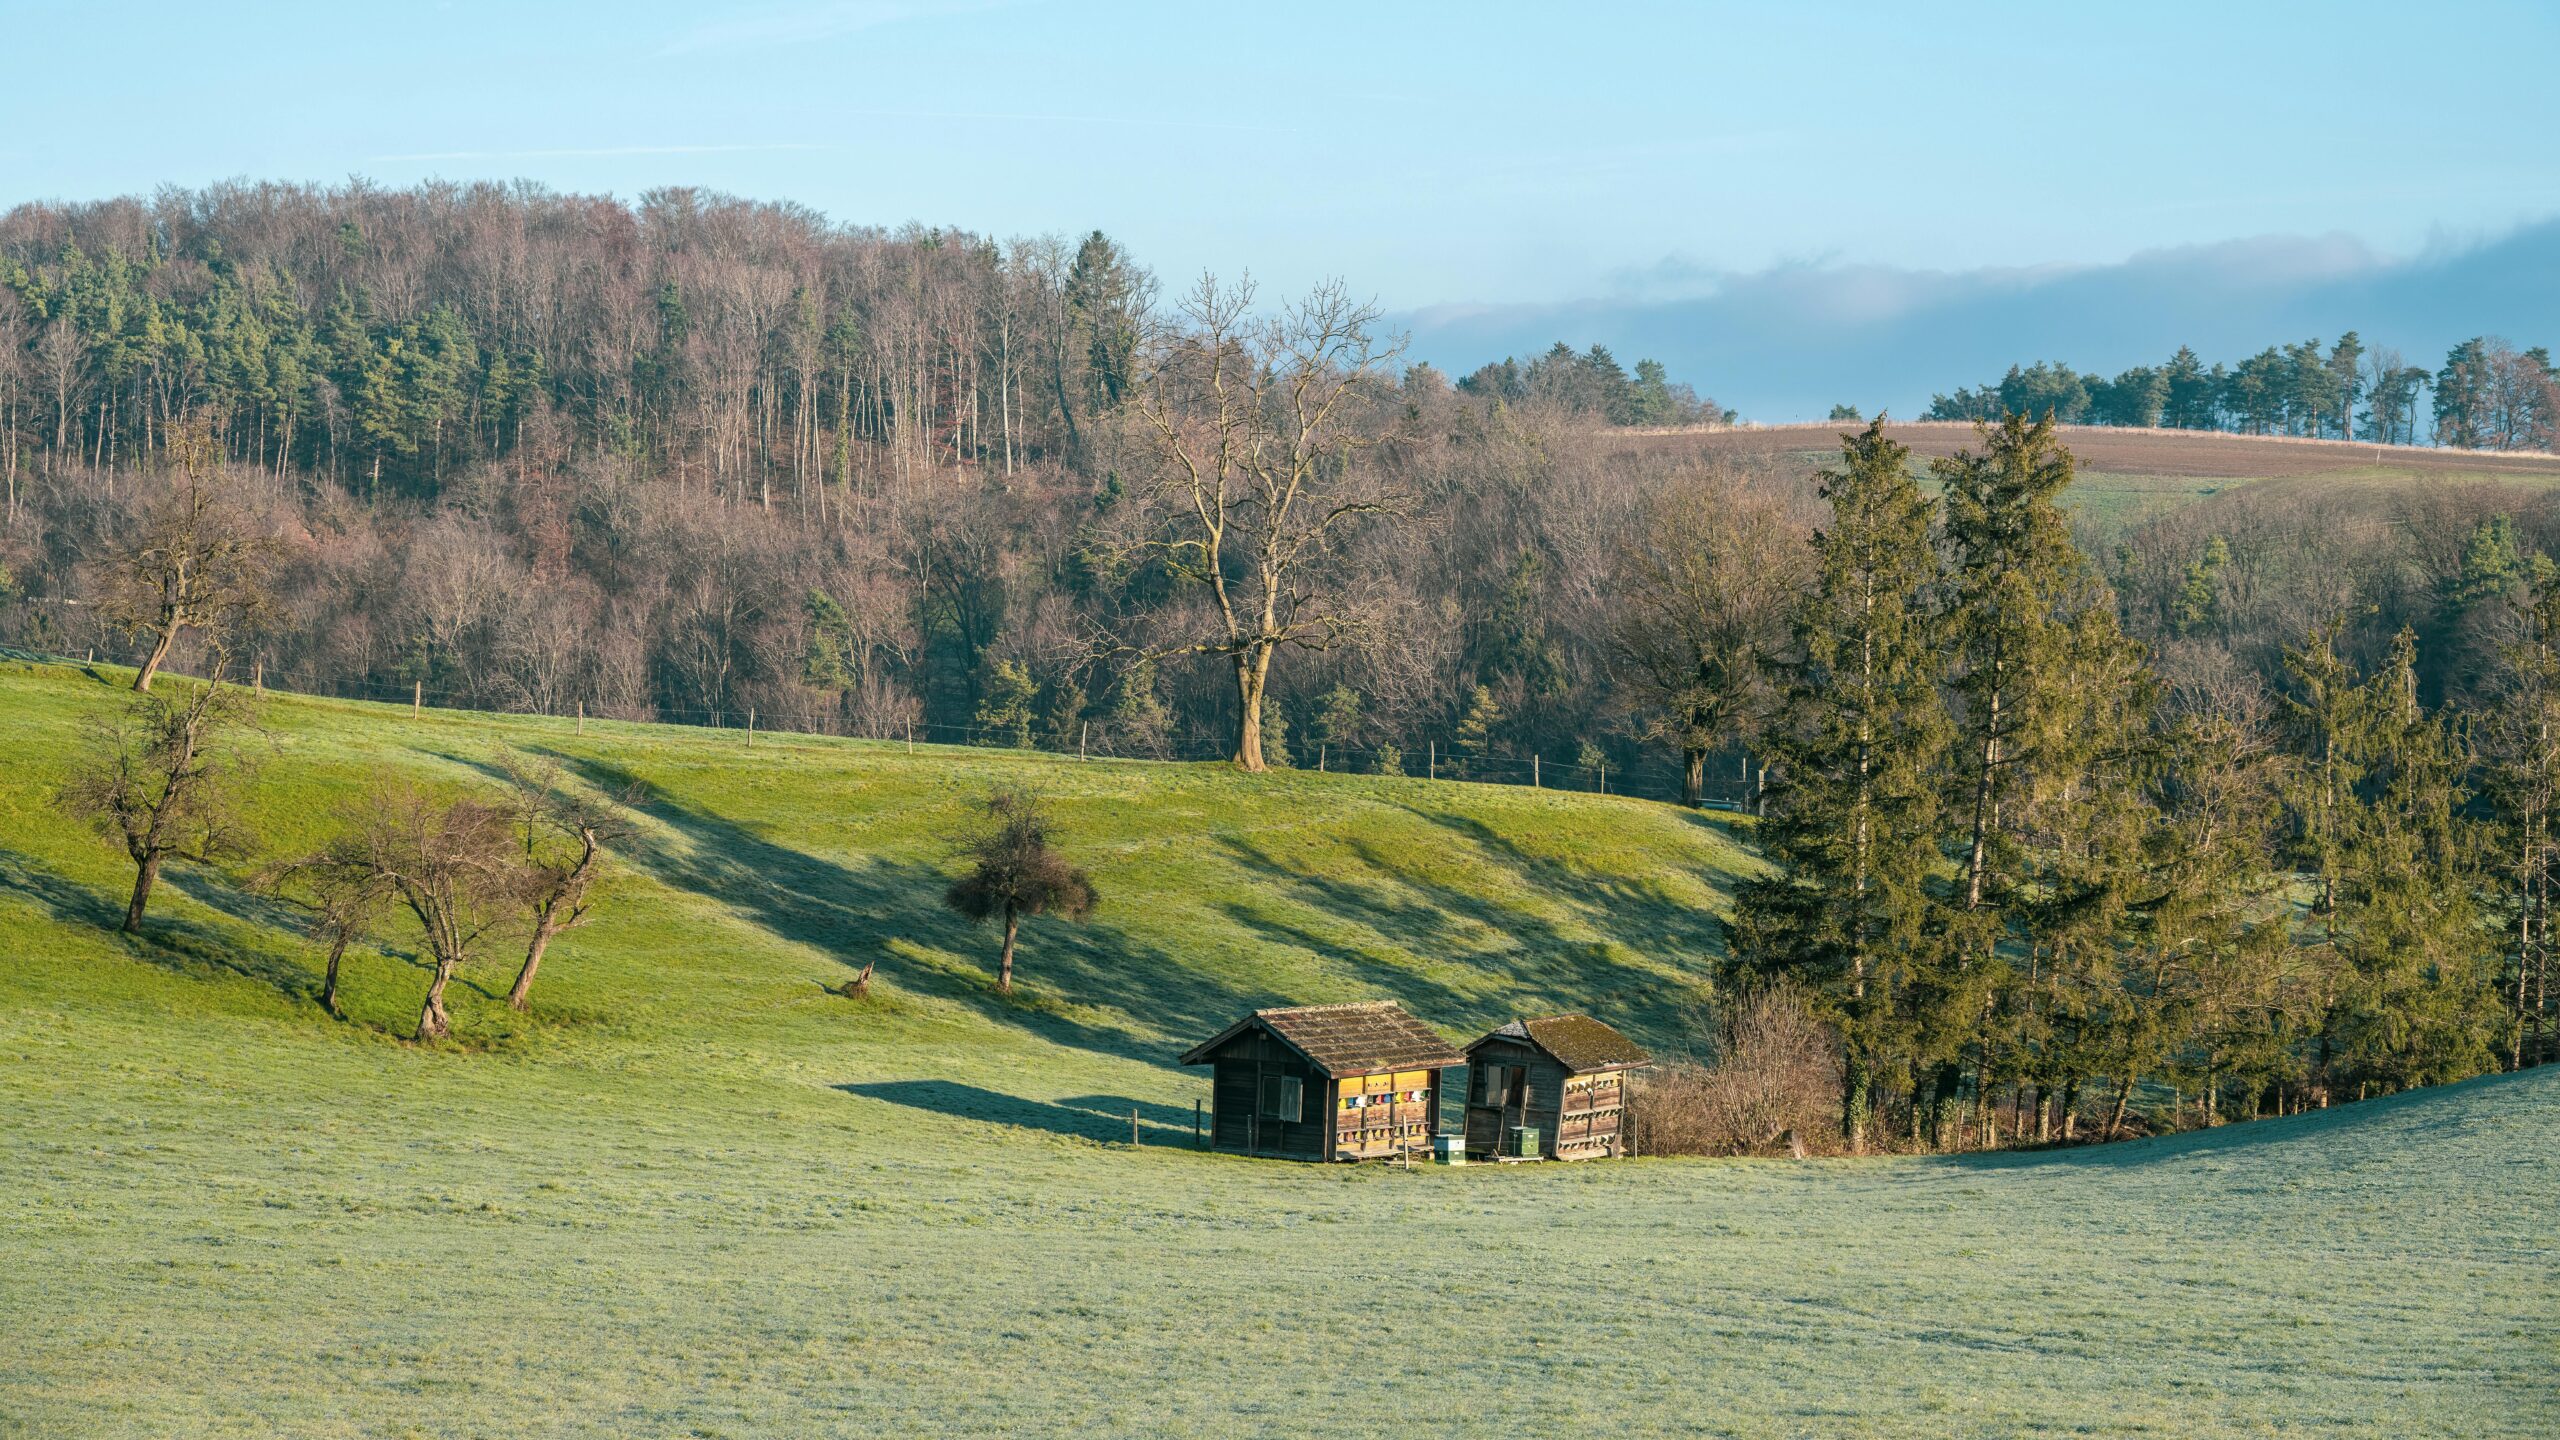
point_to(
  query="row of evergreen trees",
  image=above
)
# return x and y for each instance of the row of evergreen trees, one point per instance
(1592, 383)
(2488, 395)
(2025, 877)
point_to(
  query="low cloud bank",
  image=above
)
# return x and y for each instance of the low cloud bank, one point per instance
(1790, 342)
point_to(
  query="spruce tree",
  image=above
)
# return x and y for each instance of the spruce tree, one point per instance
(2521, 773)
(2416, 1007)
(2015, 583)
(1852, 822)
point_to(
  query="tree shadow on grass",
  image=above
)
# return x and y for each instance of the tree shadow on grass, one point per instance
(1086, 1117)
(182, 946)
(1530, 959)
(2239, 1138)
(1091, 986)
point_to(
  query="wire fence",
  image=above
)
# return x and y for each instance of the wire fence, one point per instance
(1733, 785)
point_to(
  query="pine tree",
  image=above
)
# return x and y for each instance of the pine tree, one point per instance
(1852, 823)
(2418, 973)
(1275, 737)
(1475, 730)
(1005, 715)
(2521, 751)
(2016, 583)
(1138, 719)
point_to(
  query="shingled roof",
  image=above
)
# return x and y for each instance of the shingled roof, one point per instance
(1578, 1042)
(1361, 1039)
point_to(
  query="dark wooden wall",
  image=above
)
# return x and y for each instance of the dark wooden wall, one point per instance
(1593, 1123)
(1235, 1090)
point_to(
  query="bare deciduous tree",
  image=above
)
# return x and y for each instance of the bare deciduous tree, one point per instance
(1258, 427)
(159, 777)
(197, 565)
(1704, 580)
(452, 865)
(346, 905)
(566, 836)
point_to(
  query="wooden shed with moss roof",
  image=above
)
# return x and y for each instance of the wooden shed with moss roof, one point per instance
(1564, 1075)
(1325, 1082)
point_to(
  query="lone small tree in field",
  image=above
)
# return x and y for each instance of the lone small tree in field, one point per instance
(158, 777)
(197, 565)
(451, 865)
(565, 837)
(1015, 873)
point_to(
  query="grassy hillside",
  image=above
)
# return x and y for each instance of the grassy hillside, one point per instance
(699, 1195)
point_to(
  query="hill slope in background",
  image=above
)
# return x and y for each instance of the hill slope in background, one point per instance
(2127, 475)
(697, 1194)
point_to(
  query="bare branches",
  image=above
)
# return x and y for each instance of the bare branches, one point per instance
(1259, 423)
(197, 565)
(450, 864)
(160, 778)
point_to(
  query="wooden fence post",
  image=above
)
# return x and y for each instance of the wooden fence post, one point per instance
(417, 698)
(1534, 782)
(258, 676)
(751, 727)
(1320, 757)
(1604, 777)
(911, 737)
(1195, 1124)
(1133, 1124)
(1432, 752)
(1081, 728)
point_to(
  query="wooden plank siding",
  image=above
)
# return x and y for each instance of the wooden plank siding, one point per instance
(1513, 1080)
(1237, 1070)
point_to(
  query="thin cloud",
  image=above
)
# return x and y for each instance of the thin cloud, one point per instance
(599, 152)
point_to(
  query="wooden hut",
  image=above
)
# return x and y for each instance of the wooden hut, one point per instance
(1564, 1075)
(1324, 1082)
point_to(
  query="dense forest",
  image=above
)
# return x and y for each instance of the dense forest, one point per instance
(2487, 396)
(697, 456)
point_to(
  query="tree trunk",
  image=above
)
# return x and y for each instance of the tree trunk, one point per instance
(329, 982)
(145, 874)
(520, 997)
(1693, 775)
(159, 654)
(1004, 962)
(1253, 672)
(433, 1022)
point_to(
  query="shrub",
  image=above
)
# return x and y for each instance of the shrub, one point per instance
(1773, 1069)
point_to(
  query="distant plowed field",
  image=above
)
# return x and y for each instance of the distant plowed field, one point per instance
(2129, 473)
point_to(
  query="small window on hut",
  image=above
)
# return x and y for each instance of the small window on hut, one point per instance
(1282, 1095)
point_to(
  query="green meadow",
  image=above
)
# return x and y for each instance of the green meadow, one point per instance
(697, 1193)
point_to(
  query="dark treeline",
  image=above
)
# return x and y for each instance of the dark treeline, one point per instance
(695, 455)
(2042, 876)
(2487, 396)
(1592, 382)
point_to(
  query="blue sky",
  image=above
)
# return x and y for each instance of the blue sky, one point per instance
(1434, 155)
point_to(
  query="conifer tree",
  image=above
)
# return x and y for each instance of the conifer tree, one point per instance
(2521, 751)
(1006, 714)
(2015, 582)
(2417, 974)
(1852, 811)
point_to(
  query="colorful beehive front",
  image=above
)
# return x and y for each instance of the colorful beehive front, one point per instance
(1371, 1071)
